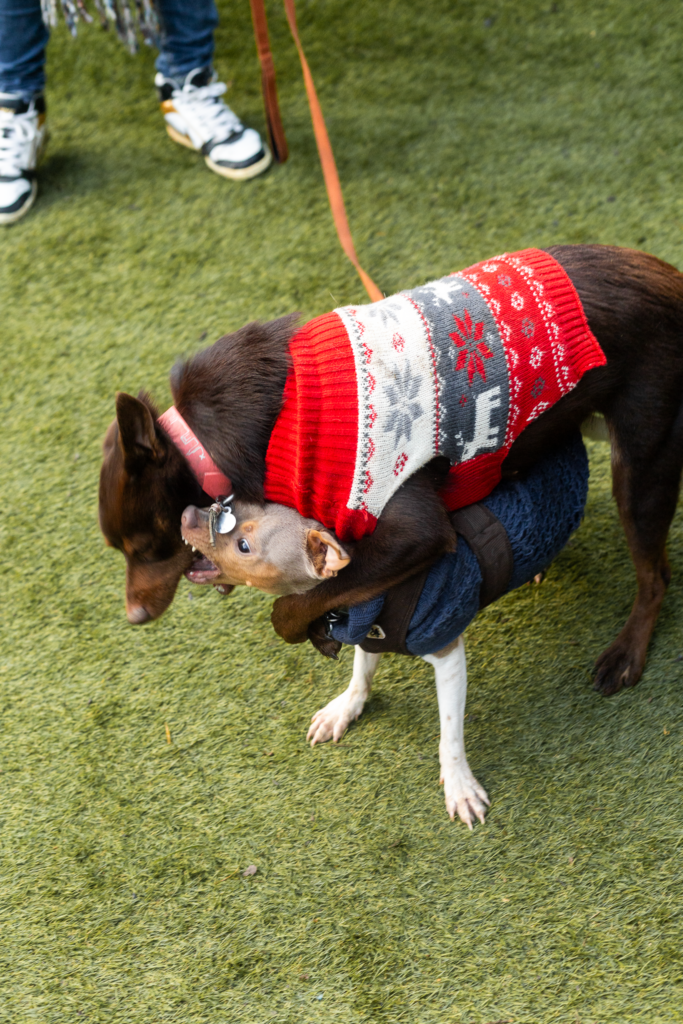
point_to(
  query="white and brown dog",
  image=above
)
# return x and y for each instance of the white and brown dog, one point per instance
(273, 548)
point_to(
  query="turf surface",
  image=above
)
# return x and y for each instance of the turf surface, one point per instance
(461, 130)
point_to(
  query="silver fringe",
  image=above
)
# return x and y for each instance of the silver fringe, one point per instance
(132, 19)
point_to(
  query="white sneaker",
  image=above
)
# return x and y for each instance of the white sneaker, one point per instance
(22, 140)
(198, 118)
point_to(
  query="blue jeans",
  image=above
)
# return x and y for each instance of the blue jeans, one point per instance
(186, 41)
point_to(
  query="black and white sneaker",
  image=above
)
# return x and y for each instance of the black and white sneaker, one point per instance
(197, 117)
(22, 140)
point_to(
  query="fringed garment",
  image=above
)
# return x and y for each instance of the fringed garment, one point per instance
(132, 19)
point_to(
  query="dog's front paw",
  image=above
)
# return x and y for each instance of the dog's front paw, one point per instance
(332, 721)
(464, 796)
(288, 620)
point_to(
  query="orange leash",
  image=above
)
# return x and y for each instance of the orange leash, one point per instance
(276, 133)
(278, 140)
(334, 192)
(328, 162)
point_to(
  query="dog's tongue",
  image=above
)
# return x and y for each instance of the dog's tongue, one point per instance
(202, 570)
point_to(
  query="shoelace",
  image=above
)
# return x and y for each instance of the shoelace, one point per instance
(16, 134)
(215, 120)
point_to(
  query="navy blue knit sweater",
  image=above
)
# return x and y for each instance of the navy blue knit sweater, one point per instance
(539, 513)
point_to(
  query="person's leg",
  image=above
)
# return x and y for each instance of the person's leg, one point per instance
(23, 38)
(190, 96)
(187, 28)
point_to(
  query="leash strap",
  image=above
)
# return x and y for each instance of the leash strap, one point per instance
(276, 133)
(329, 167)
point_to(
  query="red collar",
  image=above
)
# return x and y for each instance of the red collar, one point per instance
(209, 476)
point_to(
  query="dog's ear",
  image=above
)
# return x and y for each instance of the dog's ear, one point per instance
(137, 436)
(326, 553)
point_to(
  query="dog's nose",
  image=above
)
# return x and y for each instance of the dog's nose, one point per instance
(189, 517)
(136, 614)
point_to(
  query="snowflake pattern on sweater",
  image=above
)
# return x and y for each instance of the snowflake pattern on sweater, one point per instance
(457, 367)
(431, 358)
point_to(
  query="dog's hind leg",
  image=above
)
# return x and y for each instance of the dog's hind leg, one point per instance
(332, 721)
(464, 796)
(645, 483)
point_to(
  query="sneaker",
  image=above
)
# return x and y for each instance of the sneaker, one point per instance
(198, 118)
(22, 140)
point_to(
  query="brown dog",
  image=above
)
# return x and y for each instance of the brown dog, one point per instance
(231, 395)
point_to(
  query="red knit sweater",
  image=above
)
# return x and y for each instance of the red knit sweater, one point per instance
(457, 367)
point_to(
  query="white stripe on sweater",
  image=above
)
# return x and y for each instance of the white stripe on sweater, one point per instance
(397, 397)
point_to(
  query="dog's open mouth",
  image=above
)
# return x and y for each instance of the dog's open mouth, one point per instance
(202, 570)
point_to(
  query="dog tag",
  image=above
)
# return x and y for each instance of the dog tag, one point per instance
(226, 521)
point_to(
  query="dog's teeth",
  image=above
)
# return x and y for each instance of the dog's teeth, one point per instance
(194, 549)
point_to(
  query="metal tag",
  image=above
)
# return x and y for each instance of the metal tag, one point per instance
(376, 633)
(226, 521)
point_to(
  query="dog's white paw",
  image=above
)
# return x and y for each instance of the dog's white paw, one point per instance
(332, 721)
(464, 796)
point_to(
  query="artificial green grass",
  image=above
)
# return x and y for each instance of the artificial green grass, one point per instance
(461, 130)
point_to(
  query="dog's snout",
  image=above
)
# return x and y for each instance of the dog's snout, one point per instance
(136, 614)
(189, 517)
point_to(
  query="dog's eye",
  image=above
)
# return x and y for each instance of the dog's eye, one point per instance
(243, 546)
